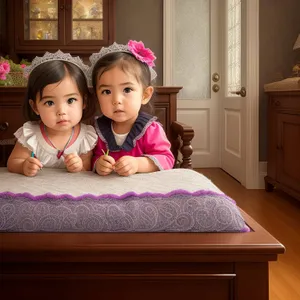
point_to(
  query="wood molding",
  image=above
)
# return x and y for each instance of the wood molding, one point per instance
(262, 173)
(252, 105)
(167, 41)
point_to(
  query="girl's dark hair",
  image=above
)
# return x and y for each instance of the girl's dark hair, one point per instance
(52, 72)
(128, 64)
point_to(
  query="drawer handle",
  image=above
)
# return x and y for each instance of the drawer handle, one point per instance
(4, 126)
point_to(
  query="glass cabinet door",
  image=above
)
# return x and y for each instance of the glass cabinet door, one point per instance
(41, 20)
(87, 20)
(77, 26)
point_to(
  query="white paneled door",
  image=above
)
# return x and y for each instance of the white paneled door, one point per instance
(233, 97)
(206, 52)
(238, 100)
(195, 56)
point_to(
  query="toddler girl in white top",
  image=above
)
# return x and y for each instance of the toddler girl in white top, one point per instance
(57, 100)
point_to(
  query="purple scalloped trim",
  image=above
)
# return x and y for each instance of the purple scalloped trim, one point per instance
(116, 197)
(246, 228)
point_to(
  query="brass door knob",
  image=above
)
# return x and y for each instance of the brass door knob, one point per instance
(215, 77)
(215, 88)
(242, 92)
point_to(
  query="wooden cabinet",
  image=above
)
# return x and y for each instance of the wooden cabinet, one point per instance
(10, 119)
(284, 142)
(75, 26)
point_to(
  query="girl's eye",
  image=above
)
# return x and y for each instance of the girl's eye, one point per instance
(127, 90)
(106, 92)
(71, 100)
(49, 103)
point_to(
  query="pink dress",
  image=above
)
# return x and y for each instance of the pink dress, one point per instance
(146, 138)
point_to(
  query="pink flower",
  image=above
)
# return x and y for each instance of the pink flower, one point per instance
(2, 75)
(141, 53)
(4, 67)
(23, 66)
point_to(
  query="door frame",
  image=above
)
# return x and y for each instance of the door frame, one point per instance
(252, 104)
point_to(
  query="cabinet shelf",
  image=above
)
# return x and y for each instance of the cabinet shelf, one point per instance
(87, 20)
(65, 29)
(42, 20)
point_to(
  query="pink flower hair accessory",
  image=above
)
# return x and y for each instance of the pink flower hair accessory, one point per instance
(141, 53)
(137, 49)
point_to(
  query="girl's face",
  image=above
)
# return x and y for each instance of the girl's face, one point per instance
(61, 106)
(120, 97)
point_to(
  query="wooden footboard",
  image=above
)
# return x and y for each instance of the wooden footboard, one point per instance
(137, 265)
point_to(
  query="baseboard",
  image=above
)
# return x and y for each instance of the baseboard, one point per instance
(262, 173)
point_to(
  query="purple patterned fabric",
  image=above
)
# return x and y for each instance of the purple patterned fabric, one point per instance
(175, 211)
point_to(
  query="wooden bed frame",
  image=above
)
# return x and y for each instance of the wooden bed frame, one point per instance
(133, 265)
(137, 265)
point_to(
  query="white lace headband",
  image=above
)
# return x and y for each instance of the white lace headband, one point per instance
(58, 55)
(137, 49)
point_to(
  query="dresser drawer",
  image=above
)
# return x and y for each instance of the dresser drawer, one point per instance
(285, 102)
(11, 118)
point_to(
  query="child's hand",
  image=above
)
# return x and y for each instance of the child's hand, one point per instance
(105, 165)
(73, 162)
(31, 166)
(127, 165)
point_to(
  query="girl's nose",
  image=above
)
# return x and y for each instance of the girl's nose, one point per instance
(117, 100)
(60, 111)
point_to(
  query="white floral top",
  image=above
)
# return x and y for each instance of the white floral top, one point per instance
(31, 137)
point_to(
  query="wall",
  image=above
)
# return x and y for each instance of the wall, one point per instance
(279, 27)
(142, 20)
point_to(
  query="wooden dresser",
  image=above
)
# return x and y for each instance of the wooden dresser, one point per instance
(284, 136)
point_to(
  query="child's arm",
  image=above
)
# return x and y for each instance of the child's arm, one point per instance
(156, 155)
(20, 161)
(97, 152)
(128, 165)
(158, 148)
(102, 163)
(75, 163)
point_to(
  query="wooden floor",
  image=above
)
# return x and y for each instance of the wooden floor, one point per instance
(280, 215)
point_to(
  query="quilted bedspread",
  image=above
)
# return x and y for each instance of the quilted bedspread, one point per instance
(178, 200)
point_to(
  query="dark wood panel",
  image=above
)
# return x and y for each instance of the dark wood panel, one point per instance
(118, 268)
(116, 286)
(3, 29)
(162, 115)
(289, 149)
(10, 119)
(284, 142)
(258, 286)
(134, 265)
